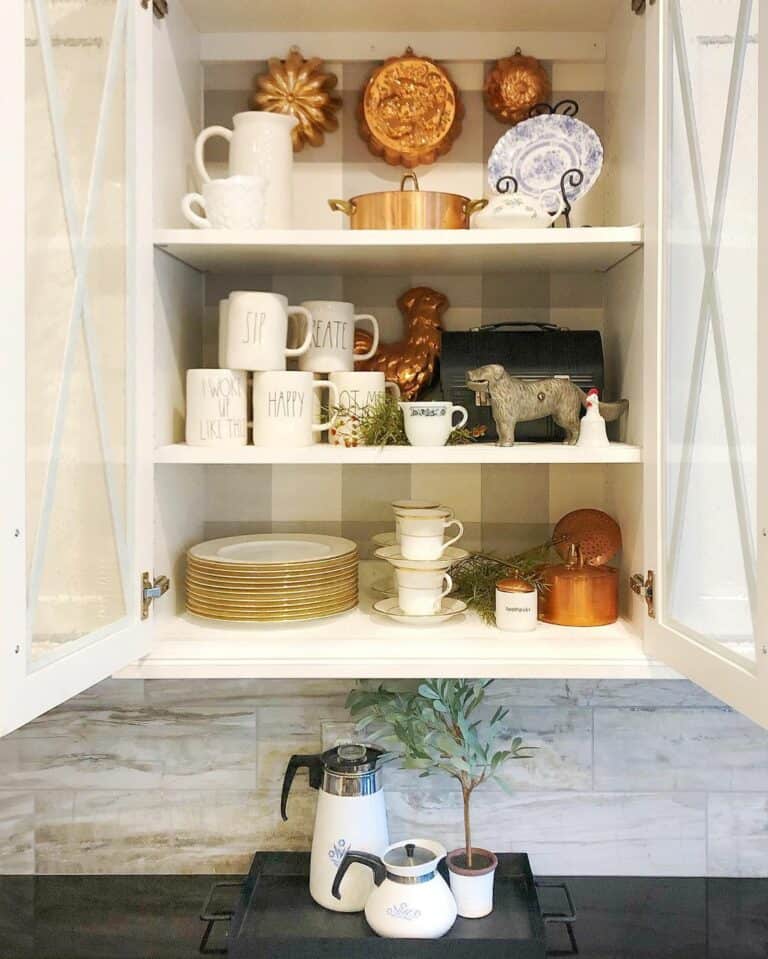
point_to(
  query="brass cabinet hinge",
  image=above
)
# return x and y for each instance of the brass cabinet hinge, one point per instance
(151, 590)
(644, 588)
(159, 7)
(638, 6)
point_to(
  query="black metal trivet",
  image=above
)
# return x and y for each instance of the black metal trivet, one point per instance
(276, 917)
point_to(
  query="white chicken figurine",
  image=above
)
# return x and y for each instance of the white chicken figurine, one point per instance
(592, 431)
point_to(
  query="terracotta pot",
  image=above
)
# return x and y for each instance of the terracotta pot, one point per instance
(413, 209)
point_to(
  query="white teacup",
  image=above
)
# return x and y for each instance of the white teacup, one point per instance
(426, 594)
(282, 408)
(426, 541)
(231, 203)
(256, 333)
(405, 504)
(357, 392)
(333, 337)
(431, 423)
(423, 512)
(217, 408)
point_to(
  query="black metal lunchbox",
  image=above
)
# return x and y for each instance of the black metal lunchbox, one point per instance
(531, 351)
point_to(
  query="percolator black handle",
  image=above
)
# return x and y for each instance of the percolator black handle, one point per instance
(314, 763)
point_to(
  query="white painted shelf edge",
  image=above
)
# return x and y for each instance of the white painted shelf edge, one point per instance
(361, 644)
(323, 453)
(384, 251)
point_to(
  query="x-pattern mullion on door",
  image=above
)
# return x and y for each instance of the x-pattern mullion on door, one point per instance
(710, 313)
(79, 321)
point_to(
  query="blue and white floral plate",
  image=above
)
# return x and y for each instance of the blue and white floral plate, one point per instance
(537, 152)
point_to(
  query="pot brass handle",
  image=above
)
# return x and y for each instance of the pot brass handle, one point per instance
(343, 206)
(474, 206)
(409, 178)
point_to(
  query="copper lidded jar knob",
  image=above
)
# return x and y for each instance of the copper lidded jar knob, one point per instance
(516, 605)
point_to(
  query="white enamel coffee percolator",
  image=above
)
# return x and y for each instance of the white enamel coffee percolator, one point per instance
(350, 814)
(410, 899)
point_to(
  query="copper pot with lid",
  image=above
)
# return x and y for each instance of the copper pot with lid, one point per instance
(413, 209)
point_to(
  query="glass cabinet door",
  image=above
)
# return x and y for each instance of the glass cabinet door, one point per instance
(705, 470)
(75, 364)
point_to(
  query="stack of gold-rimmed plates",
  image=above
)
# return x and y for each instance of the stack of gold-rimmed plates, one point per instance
(272, 577)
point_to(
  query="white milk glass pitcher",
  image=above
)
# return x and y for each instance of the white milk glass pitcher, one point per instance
(259, 145)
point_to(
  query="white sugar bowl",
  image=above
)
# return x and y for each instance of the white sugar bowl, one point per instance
(518, 211)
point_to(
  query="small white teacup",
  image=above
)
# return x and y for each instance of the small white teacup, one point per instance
(431, 423)
(420, 512)
(421, 593)
(230, 203)
(426, 540)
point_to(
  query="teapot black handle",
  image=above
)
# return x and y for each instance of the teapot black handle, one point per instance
(314, 764)
(365, 859)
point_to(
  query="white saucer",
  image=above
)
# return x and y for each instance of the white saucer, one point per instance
(451, 555)
(384, 587)
(449, 607)
(384, 539)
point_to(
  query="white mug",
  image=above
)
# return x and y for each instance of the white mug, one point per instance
(427, 542)
(217, 408)
(333, 337)
(223, 312)
(425, 596)
(431, 423)
(257, 331)
(282, 408)
(357, 392)
(231, 203)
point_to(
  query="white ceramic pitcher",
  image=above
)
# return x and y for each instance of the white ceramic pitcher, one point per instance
(259, 145)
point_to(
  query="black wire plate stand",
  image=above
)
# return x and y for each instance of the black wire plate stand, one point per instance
(570, 180)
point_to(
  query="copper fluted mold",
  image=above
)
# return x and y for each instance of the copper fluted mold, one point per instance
(514, 86)
(410, 111)
(300, 88)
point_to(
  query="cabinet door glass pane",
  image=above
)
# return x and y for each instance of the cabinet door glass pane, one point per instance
(710, 431)
(76, 323)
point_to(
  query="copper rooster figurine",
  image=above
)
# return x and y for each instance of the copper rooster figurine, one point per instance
(409, 362)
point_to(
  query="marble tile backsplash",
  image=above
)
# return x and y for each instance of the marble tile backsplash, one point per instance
(633, 778)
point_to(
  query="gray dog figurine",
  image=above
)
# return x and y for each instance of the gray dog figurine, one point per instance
(516, 401)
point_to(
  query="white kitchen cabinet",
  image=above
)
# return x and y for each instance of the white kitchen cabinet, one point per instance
(104, 297)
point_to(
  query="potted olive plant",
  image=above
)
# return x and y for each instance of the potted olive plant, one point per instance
(435, 728)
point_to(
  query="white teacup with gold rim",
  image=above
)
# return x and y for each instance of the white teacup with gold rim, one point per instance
(439, 513)
(427, 544)
(425, 594)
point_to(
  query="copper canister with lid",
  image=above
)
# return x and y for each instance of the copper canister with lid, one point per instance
(516, 605)
(583, 590)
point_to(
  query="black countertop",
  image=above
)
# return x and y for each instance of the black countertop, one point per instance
(156, 917)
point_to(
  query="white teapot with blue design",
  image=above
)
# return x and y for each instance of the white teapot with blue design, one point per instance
(410, 899)
(350, 814)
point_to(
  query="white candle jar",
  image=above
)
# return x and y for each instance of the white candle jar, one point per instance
(517, 606)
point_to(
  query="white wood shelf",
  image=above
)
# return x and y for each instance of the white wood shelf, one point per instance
(323, 453)
(361, 644)
(437, 252)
